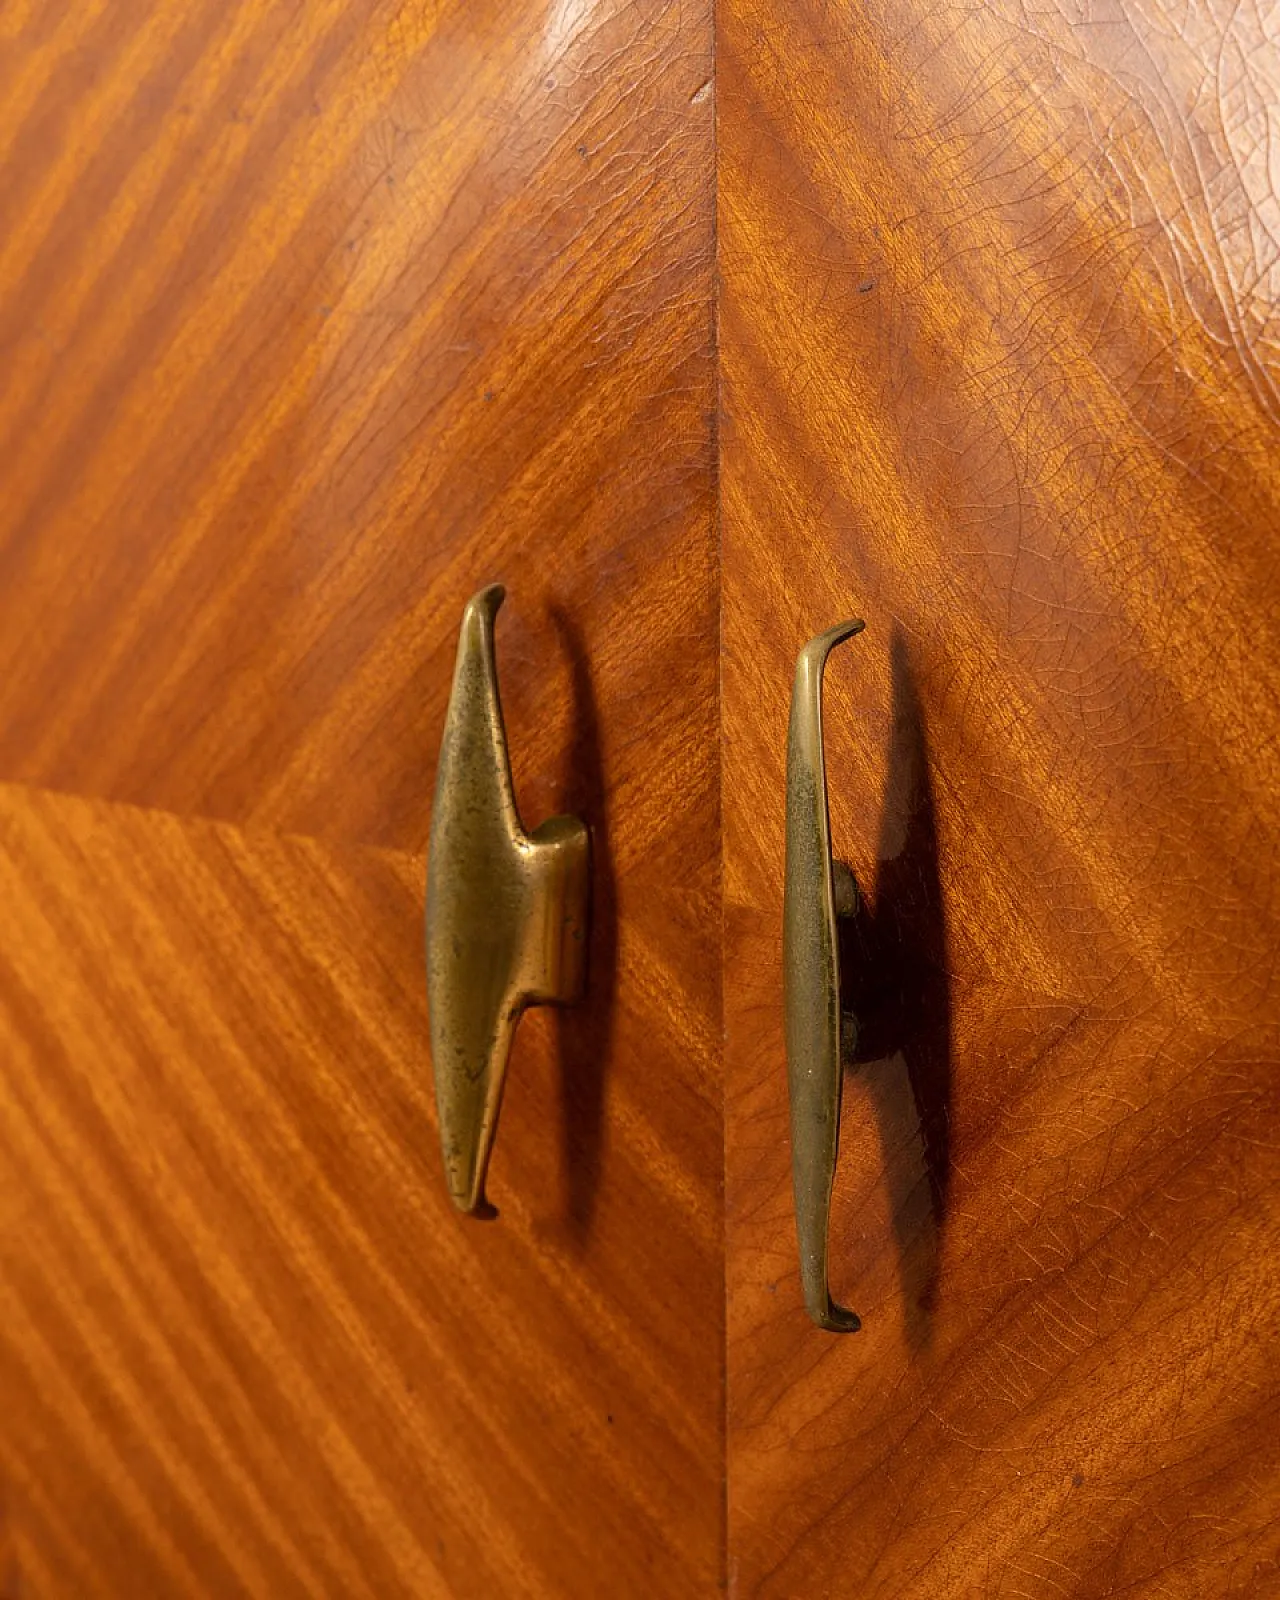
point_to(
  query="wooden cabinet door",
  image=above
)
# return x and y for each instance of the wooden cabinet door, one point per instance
(312, 321)
(1000, 373)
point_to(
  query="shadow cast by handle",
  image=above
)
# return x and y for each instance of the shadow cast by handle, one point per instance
(584, 1032)
(894, 975)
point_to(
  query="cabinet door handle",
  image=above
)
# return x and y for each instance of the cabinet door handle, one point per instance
(818, 890)
(506, 910)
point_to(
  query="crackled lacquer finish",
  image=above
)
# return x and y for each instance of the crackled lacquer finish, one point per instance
(312, 320)
(1000, 373)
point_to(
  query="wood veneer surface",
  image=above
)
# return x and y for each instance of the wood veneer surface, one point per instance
(998, 342)
(310, 329)
(312, 322)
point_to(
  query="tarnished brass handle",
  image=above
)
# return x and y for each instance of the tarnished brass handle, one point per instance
(506, 910)
(818, 890)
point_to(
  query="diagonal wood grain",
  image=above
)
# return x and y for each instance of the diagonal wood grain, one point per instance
(336, 325)
(245, 1343)
(311, 324)
(997, 343)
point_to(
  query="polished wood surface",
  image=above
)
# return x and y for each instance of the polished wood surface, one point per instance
(309, 326)
(311, 323)
(998, 342)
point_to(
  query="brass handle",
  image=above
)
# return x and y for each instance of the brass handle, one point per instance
(506, 910)
(818, 890)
